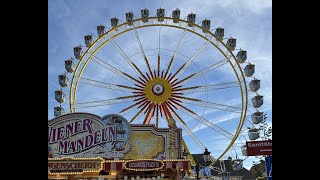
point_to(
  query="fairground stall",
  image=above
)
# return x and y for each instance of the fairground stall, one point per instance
(86, 146)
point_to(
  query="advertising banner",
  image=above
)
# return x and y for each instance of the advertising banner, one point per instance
(259, 148)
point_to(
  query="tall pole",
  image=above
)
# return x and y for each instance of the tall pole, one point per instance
(197, 171)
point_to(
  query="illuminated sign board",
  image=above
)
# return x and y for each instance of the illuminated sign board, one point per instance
(88, 135)
(144, 165)
(147, 143)
(85, 135)
(74, 165)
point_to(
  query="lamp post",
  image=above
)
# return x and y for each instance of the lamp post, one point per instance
(207, 159)
(197, 171)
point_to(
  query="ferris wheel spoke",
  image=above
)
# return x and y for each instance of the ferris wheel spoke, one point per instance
(166, 113)
(130, 97)
(128, 87)
(149, 114)
(210, 87)
(216, 128)
(125, 56)
(158, 72)
(202, 72)
(171, 105)
(160, 110)
(145, 104)
(189, 61)
(212, 105)
(157, 115)
(187, 129)
(176, 51)
(137, 103)
(142, 51)
(97, 103)
(186, 98)
(106, 85)
(159, 40)
(127, 112)
(116, 71)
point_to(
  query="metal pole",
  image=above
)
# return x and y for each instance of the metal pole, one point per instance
(197, 171)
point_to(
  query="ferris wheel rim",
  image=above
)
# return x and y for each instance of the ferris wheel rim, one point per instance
(243, 92)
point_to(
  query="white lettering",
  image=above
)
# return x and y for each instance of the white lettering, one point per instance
(259, 144)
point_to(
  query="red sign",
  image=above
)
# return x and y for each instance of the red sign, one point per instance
(143, 165)
(259, 148)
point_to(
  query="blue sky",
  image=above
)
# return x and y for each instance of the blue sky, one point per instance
(249, 21)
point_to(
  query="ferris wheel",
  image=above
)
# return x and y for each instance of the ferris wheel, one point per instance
(151, 68)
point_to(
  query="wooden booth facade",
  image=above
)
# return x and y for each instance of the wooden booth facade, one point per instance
(83, 146)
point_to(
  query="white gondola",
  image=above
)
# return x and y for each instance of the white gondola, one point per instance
(191, 19)
(77, 52)
(63, 80)
(100, 30)
(176, 15)
(144, 15)
(249, 70)
(254, 85)
(114, 22)
(244, 150)
(257, 101)
(241, 56)
(254, 133)
(237, 164)
(205, 25)
(58, 111)
(257, 117)
(60, 96)
(219, 33)
(69, 65)
(129, 18)
(88, 40)
(231, 44)
(160, 14)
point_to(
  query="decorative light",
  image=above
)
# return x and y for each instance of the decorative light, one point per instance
(206, 155)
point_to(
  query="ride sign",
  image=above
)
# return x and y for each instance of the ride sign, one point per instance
(259, 148)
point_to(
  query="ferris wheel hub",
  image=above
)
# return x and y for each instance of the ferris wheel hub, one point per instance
(158, 90)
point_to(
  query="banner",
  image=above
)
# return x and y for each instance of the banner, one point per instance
(259, 148)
